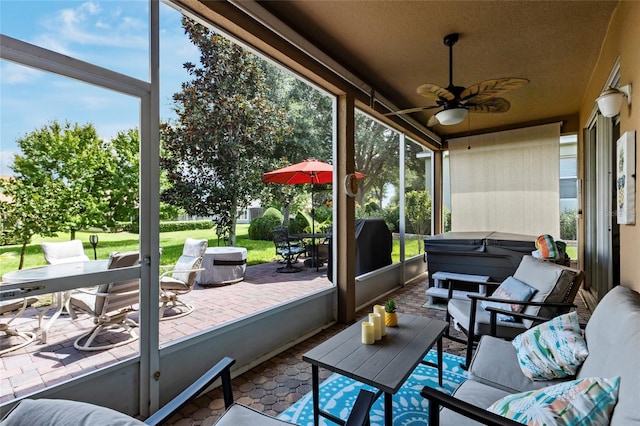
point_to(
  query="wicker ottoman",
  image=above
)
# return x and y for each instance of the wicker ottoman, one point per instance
(222, 265)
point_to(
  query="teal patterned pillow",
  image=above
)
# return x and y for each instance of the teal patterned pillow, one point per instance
(589, 401)
(553, 349)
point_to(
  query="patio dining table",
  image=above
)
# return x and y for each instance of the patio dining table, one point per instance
(60, 297)
(313, 262)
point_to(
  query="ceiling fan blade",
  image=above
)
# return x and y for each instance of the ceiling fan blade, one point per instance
(433, 121)
(410, 110)
(492, 88)
(488, 105)
(435, 92)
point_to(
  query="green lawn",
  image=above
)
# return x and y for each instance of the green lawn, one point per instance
(171, 243)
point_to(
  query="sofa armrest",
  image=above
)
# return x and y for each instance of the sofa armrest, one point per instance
(222, 369)
(438, 399)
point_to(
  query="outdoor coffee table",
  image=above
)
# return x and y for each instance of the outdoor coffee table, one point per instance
(385, 365)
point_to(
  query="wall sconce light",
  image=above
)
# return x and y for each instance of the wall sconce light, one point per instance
(451, 116)
(610, 101)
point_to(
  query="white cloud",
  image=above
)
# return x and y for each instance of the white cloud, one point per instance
(91, 25)
(18, 74)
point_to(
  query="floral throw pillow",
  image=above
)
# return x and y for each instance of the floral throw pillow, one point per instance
(510, 289)
(589, 401)
(553, 349)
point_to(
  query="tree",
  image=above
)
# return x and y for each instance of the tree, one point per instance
(26, 211)
(376, 155)
(418, 211)
(226, 132)
(87, 185)
(125, 193)
(309, 114)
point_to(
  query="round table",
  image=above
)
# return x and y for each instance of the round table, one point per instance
(55, 271)
(60, 297)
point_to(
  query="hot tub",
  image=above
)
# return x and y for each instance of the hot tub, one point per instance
(494, 254)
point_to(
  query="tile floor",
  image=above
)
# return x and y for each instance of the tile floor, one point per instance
(273, 386)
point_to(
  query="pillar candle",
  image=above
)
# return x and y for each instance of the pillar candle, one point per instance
(368, 333)
(377, 325)
(379, 309)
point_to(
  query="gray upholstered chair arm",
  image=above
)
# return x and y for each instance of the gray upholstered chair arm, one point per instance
(439, 399)
(520, 302)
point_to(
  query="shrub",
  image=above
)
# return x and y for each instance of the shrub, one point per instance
(569, 224)
(298, 224)
(274, 213)
(169, 226)
(261, 228)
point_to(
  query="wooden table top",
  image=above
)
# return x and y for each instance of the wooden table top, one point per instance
(388, 363)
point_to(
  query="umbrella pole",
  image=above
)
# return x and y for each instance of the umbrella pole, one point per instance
(313, 227)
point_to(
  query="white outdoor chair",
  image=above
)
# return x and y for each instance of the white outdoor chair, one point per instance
(110, 304)
(56, 253)
(64, 252)
(181, 279)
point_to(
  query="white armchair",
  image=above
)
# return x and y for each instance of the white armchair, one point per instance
(181, 279)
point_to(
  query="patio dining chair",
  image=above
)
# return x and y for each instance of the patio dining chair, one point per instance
(56, 253)
(181, 279)
(110, 305)
(554, 290)
(289, 250)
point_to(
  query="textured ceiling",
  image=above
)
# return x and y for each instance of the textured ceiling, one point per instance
(395, 46)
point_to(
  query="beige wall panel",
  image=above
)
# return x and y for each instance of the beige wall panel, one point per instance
(507, 181)
(623, 40)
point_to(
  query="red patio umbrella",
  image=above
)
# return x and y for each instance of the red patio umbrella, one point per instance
(309, 171)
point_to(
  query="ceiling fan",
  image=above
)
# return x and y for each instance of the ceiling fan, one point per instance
(456, 101)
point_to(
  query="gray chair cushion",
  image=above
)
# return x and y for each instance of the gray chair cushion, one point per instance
(59, 412)
(241, 415)
(495, 364)
(551, 281)
(474, 393)
(613, 341)
(460, 309)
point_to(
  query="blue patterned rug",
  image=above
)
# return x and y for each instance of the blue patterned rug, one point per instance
(338, 393)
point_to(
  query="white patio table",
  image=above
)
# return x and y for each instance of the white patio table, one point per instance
(60, 298)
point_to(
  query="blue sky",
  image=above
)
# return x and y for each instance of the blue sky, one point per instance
(109, 33)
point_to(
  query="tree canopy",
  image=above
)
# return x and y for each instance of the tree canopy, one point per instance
(226, 132)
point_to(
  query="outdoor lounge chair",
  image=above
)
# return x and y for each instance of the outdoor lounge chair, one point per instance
(181, 279)
(289, 251)
(110, 304)
(556, 287)
(50, 412)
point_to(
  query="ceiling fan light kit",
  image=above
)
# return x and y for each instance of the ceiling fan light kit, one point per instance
(610, 101)
(448, 117)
